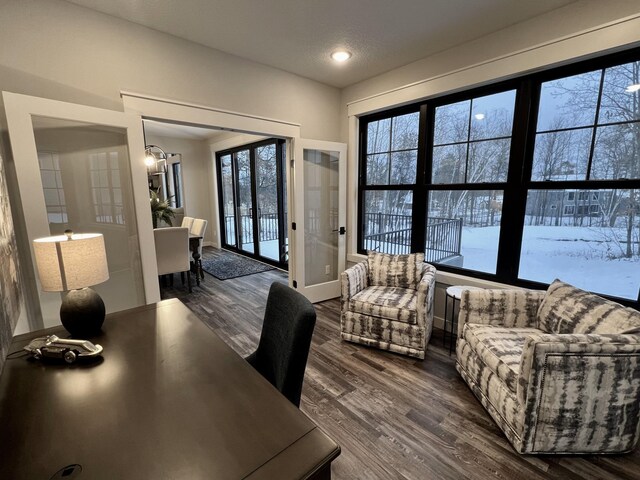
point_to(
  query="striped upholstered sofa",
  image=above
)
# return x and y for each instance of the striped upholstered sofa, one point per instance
(387, 303)
(559, 371)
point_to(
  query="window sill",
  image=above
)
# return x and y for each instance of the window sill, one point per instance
(446, 278)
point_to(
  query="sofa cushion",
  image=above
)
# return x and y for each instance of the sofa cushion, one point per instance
(387, 270)
(392, 303)
(499, 348)
(567, 309)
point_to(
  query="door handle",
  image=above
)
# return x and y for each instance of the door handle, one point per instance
(341, 230)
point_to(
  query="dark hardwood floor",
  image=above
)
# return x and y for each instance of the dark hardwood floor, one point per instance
(394, 417)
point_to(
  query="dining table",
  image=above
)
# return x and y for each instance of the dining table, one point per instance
(166, 399)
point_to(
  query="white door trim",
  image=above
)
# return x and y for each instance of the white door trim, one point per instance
(188, 113)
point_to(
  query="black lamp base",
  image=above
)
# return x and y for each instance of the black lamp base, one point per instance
(82, 312)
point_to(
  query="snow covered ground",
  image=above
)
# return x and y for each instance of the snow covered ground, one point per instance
(577, 255)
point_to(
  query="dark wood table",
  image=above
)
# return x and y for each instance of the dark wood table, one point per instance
(169, 400)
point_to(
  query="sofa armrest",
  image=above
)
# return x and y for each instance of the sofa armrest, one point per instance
(580, 392)
(353, 280)
(426, 291)
(500, 307)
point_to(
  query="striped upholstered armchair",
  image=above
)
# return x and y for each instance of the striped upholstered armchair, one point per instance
(559, 371)
(387, 303)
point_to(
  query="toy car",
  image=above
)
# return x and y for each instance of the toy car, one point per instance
(65, 348)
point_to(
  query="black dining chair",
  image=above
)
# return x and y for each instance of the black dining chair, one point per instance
(281, 356)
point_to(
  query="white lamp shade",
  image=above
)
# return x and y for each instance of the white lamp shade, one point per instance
(67, 264)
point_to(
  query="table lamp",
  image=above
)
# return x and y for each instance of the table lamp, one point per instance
(71, 263)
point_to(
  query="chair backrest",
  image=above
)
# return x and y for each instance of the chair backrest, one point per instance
(187, 222)
(172, 249)
(199, 227)
(284, 345)
(178, 216)
(395, 270)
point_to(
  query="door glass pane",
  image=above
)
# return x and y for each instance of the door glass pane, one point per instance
(267, 191)
(321, 173)
(227, 201)
(86, 178)
(245, 209)
(585, 237)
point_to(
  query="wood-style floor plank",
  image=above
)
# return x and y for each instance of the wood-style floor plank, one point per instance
(393, 416)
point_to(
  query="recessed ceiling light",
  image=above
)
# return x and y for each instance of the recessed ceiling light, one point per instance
(479, 116)
(341, 56)
(633, 88)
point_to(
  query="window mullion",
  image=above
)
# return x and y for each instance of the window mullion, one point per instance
(419, 214)
(595, 126)
(515, 194)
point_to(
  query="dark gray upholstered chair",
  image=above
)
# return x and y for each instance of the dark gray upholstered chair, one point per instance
(284, 344)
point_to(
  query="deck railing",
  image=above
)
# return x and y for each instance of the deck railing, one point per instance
(443, 237)
(391, 233)
(267, 227)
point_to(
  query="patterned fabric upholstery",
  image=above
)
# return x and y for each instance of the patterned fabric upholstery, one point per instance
(569, 392)
(403, 271)
(389, 317)
(393, 303)
(567, 309)
(499, 348)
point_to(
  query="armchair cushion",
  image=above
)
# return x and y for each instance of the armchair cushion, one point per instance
(500, 348)
(393, 303)
(567, 309)
(387, 270)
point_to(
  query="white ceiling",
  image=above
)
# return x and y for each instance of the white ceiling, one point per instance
(298, 35)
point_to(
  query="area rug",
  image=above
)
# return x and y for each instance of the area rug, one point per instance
(226, 265)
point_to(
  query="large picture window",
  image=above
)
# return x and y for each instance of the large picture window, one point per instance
(389, 172)
(469, 165)
(522, 182)
(578, 225)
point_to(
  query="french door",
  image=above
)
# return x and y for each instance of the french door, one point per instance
(252, 201)
(320, 212)
(82, 168)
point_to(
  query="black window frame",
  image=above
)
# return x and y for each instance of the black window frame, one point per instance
(519, 178)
